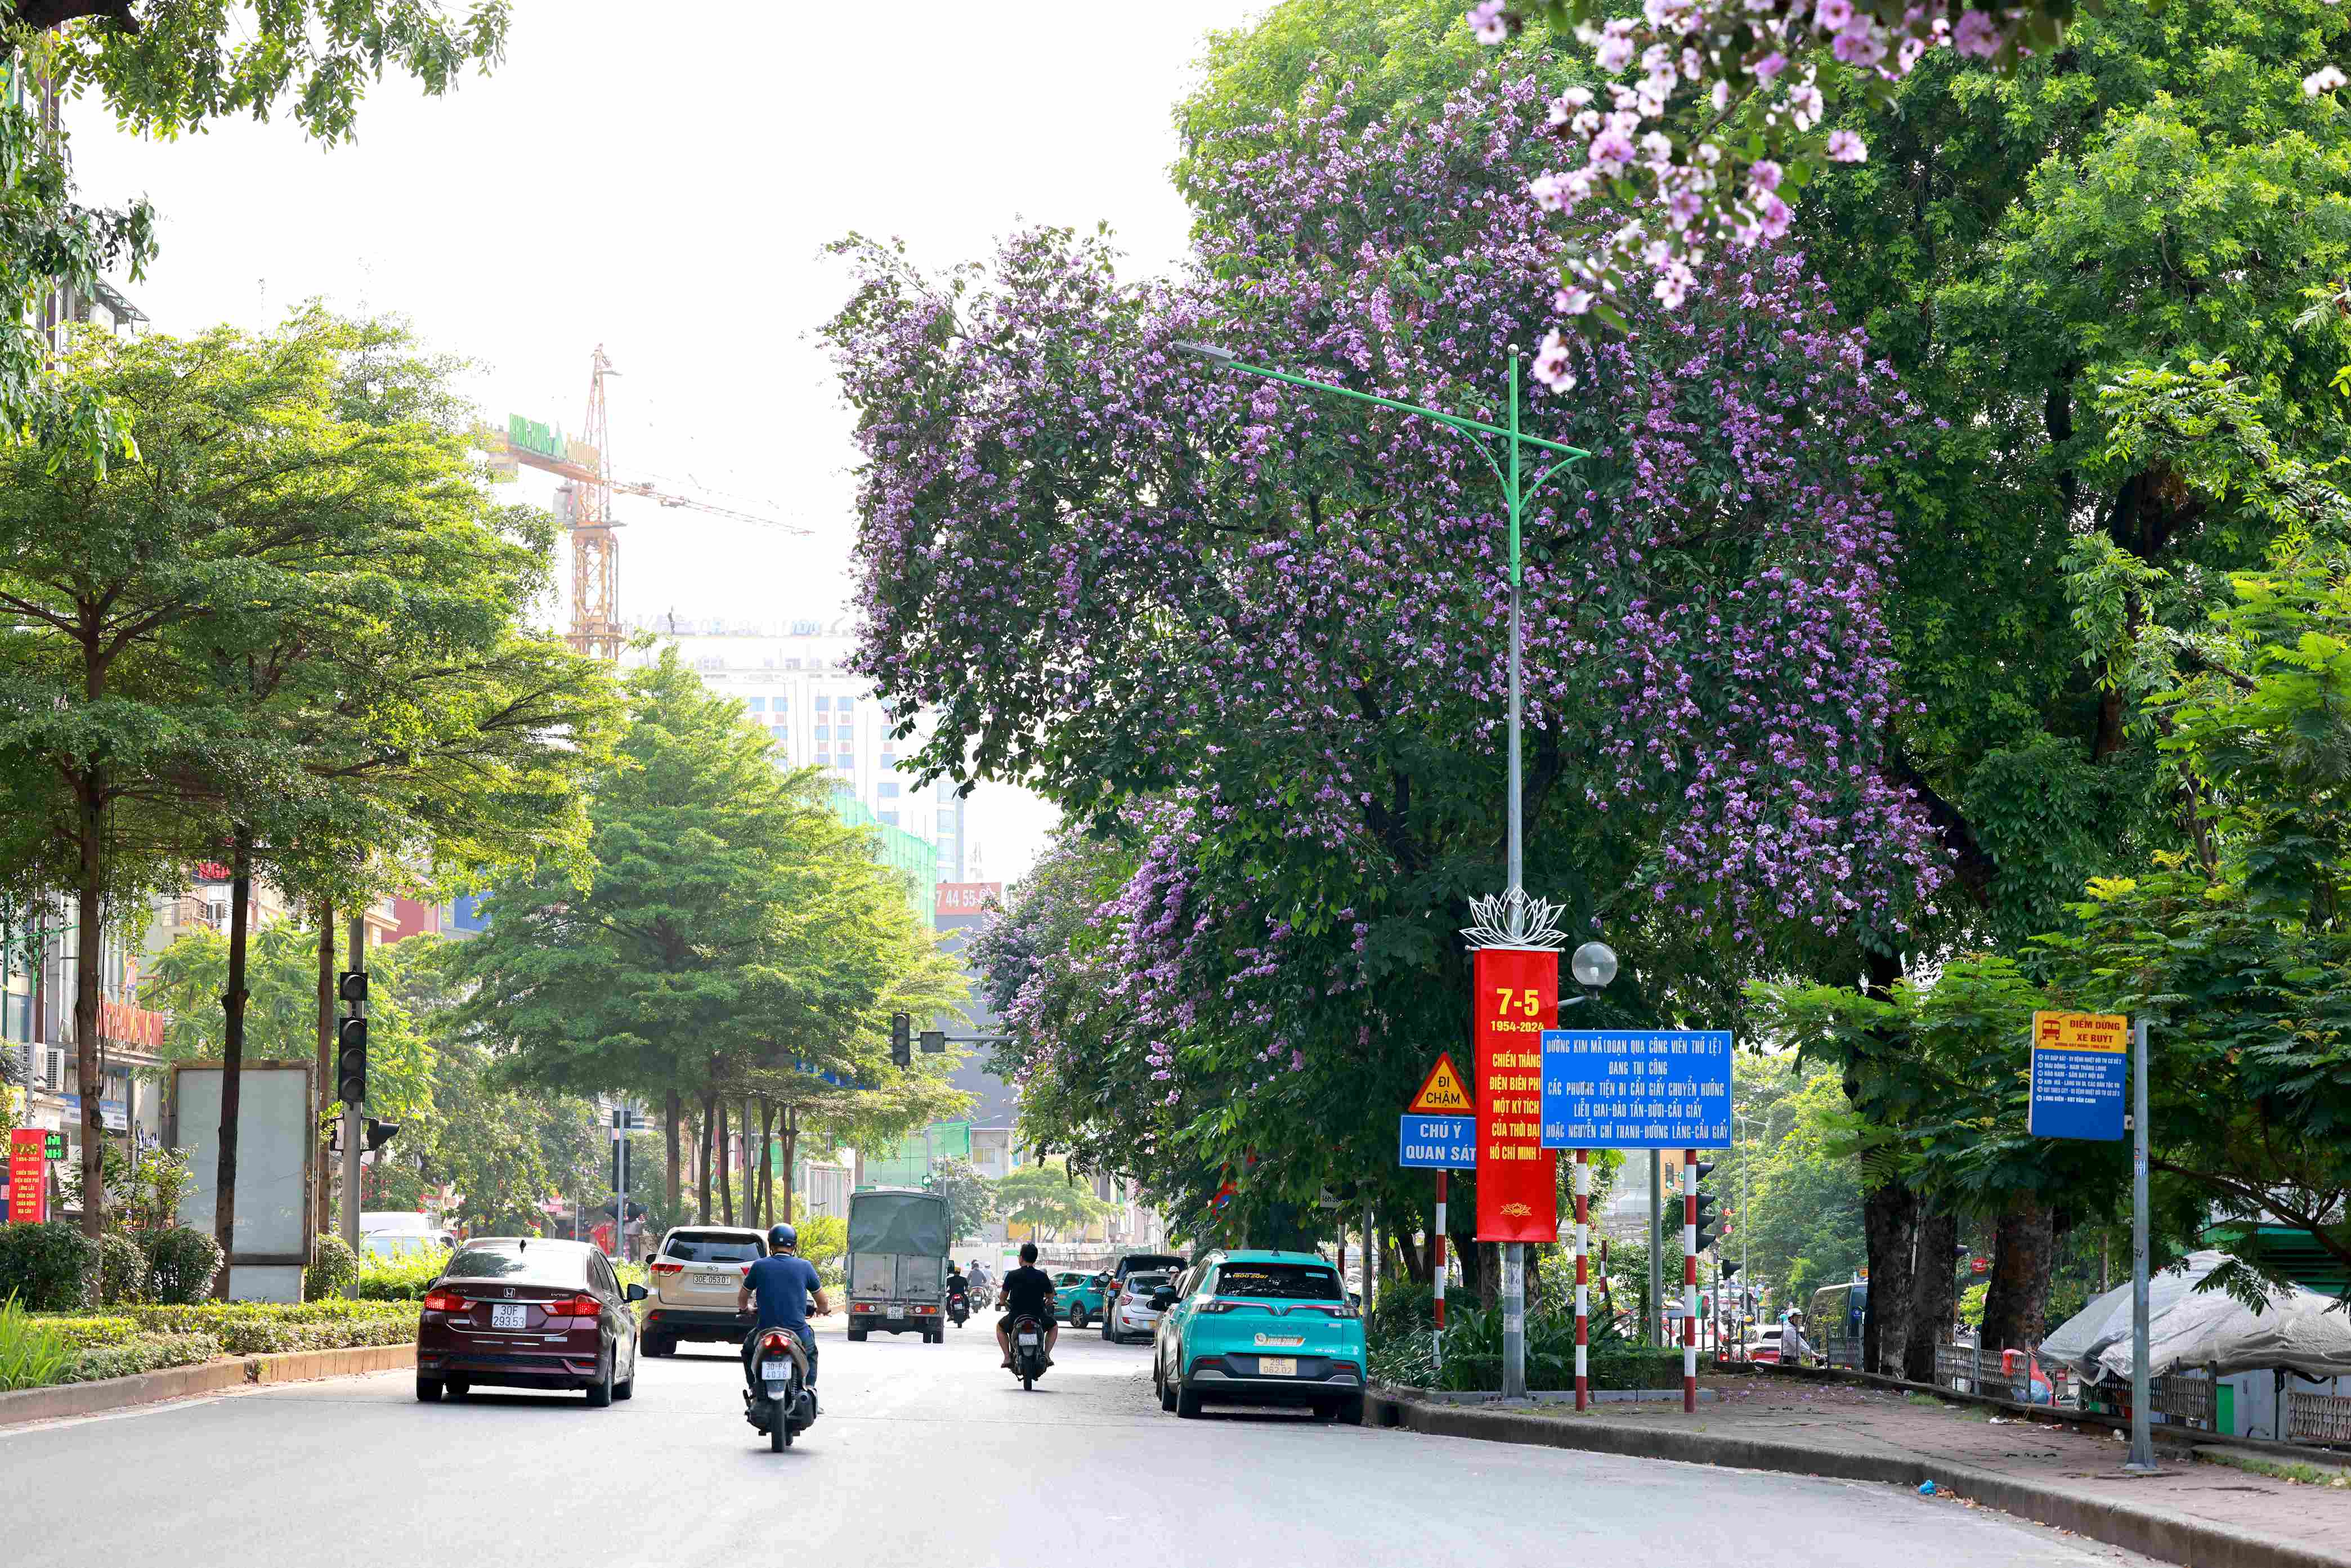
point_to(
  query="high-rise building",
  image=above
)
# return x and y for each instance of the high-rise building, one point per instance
(793, 682)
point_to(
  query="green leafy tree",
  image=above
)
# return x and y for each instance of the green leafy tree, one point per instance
(971, 1201)
(172, 68)
(1048, 1198)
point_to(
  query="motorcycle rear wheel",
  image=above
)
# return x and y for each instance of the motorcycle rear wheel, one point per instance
(780, 1434)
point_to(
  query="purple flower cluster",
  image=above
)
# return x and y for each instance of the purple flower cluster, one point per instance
(1256, 613)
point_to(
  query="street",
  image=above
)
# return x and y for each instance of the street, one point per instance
(924, 1452)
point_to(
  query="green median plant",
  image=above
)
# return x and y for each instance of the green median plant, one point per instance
(180, 1264)
(90, 1332)
(398, 1279)
(1472, 1355)
(49, 1268)
(122, 1270)
(142, 1352)
(31, 1355)
(262, 1328)
(334, 1269)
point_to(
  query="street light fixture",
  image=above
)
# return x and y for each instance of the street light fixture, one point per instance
(1593, 966)
(1514, 920)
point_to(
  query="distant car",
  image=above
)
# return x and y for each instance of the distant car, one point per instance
(521, 1313)
(694, 1275)
(391, 1234)
(1133, 1263)
(1077, 1296)
(1268, 1328)
(1762, 1345)
(1132, 1314)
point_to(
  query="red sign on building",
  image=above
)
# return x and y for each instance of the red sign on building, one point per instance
(969, 897)
(28, 1175)
(1517, 998)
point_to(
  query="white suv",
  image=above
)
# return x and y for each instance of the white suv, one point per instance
(691, 1283)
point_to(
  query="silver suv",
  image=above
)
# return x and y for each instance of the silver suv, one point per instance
(693, 1280)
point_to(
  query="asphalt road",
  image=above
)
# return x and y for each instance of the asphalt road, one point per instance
(924, 1454)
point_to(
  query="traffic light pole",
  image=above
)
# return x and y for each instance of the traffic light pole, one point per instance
(350, 1108)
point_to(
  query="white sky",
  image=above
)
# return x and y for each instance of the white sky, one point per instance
(666, 192)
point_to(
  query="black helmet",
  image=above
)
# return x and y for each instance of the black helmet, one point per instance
(782, 1238)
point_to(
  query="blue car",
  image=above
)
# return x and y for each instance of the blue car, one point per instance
(1260, 1328)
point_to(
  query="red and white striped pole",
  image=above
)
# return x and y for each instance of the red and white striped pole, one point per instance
(1436, 1272)
(1582, 1252)
(1689, 1281)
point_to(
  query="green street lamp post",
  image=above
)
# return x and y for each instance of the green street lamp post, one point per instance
(1512, 920)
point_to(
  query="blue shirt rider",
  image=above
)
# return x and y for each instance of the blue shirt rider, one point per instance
(782, 1284)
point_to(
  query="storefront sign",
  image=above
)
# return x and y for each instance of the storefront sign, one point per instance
(1517, 998)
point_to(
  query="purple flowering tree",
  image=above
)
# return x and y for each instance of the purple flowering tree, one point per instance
(1256, 637)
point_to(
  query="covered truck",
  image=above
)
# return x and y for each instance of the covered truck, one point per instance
(897, 1261)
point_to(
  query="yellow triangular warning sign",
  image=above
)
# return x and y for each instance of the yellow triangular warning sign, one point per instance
(1442, 1093)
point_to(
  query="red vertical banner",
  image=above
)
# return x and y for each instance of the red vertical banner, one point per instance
(28, 1175)
(1517, 998)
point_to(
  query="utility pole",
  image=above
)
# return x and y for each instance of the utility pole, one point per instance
(355, 996)
(2142, 1438)
(1653, 1331)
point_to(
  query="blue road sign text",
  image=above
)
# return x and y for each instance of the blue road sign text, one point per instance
(1437, 1143)
(1635, 1089)
(2077, 1094)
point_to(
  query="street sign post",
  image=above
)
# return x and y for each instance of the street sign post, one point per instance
(1635, 1089)
(1438, 1130)
(1442, 1093)
(2080, 1061)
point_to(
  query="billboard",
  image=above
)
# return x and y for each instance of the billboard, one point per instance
(956, 898)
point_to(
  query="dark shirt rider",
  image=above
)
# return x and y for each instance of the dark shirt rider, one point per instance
(1028, 1291)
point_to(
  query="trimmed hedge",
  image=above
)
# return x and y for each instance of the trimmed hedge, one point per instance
(398, 1279)
(262, 1328)
(143, 1352)
(180, 1264)
(122, 1270)
(334, 1269)
(92, 1332)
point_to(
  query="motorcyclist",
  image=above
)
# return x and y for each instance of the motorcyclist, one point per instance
(782, 1283)
(978, 1275)
(1027, 1291)
(957, 1285)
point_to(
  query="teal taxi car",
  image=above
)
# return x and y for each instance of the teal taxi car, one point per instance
(1076, 1297)
(1260, 1328)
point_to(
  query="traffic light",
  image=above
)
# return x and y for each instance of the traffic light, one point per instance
(1705, 1207)
(378, 1133)
(902, 1039)
(1726, 1270)
(350, 1061)
(351, 986)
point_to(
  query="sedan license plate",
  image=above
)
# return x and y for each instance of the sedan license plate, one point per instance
(505, 1315)
(771, 1370)
(1276, 1365)
(1027, 1339)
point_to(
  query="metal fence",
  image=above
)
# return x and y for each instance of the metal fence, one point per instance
(2175, 1399)
(2317, 1417)
(1967, 1368)
(1838, 1350)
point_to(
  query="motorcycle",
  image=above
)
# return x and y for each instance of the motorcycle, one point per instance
(1027, 1349)
(958, 1306)
(779, 1400)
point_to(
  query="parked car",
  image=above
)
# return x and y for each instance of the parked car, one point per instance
(1270, 1328)
(391, 1234)
(1077, 1296)
(1132, 1314)
(695, 1274)
(1762, 1345)
(1132, 1263)
(521, 1313)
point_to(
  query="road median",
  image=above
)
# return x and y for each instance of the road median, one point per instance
(2184, 1515)
(67, 1399)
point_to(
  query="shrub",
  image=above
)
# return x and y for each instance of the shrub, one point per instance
(142, 1352)
(1472, 1358)
(262, 1328)
(398, 1279)
(824, 1239)
(1405, 1307)
(90, 1332)
(122, 1270)
(334, 1269)
(180, 1264)
(31, 1355)
(49, 1267)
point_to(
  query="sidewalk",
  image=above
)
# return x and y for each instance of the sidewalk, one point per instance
(2200, 1512)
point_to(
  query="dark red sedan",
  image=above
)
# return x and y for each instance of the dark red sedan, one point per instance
(521, 1314)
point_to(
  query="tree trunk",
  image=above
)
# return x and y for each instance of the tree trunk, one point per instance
(240, 892)
(90, 932)
(325, 1058)
(1414, 1260)
(1489, 1274)
(791, 1137)
(767, 1159)
(718, 1158)
(1889, 1219)
(2024, 1247)
(751, 1169)
(1934, 1292)
(702, 1210)
(673, 1113)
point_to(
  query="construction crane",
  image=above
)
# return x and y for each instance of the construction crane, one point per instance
(583, 504)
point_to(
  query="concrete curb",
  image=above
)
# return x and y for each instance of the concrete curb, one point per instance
(205, 1377)
(2146, 1531)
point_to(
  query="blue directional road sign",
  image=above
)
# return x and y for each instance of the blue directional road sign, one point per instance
(1635, 1089)
(1437, 1143)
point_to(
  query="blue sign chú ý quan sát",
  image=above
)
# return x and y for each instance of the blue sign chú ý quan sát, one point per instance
(2081, 1068)
(1437, 1143)
(1635, 1089)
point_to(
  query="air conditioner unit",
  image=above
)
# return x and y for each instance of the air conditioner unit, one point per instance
(53, 1072)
